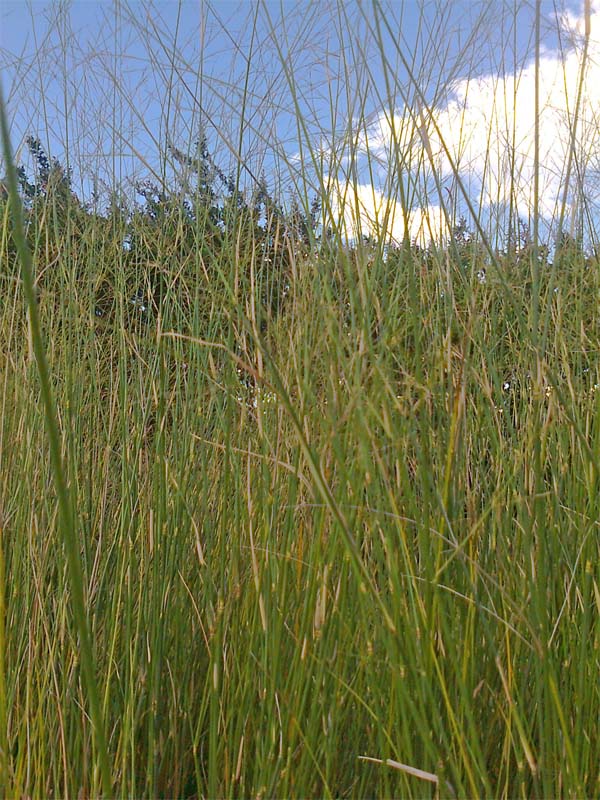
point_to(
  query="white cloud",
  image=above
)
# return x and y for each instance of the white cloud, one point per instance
(362, 210)
(488, 127)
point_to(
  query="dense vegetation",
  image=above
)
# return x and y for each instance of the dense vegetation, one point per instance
(319, 404)
(334, 505)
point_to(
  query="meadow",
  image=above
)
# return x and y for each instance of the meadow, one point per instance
(283, 515)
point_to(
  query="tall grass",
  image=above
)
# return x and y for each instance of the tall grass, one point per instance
(346, 547)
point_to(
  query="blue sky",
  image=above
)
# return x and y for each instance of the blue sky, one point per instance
(106, 84)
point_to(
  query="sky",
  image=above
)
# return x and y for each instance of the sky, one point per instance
(484, 130)
(399, 108)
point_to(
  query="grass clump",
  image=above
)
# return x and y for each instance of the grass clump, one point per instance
(330, 507)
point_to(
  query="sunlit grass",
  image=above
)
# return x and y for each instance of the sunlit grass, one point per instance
(350, 552)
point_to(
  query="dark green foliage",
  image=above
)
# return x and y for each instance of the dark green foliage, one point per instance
(171, 251)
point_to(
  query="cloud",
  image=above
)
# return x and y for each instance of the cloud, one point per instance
(487, 127)
(360, 209)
